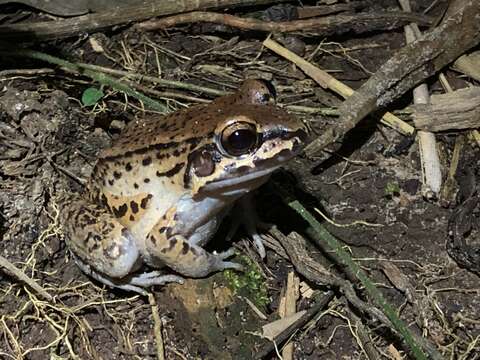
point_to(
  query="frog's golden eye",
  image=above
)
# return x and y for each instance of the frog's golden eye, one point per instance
(239, 138)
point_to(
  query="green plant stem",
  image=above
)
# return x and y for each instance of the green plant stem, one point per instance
(328, 241)
(99, 77)
(163, 82)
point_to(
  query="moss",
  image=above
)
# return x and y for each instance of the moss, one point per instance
(249, 283)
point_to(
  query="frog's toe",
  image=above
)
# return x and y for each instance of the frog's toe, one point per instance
(223, 265)
(225, 254)
(231, 265)
(258, 241)
(154, 278)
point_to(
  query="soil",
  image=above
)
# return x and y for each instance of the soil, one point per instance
(48, 145)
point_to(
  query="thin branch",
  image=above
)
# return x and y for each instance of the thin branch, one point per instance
(324, 25)
(20, 275)
(116, 15)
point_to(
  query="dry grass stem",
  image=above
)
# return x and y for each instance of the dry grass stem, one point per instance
(430, 161)
(157, 327)
(288, 307)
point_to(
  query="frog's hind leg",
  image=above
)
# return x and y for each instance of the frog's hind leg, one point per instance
(105, 249)
(136, 282)
(98, 240)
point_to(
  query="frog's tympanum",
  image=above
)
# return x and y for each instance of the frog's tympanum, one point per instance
(158, 194)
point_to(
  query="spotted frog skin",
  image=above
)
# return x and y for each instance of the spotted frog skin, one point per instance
(159, 193)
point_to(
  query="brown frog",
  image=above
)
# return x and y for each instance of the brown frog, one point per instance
(159, 193)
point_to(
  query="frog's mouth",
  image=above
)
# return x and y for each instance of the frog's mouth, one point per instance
(243, 179)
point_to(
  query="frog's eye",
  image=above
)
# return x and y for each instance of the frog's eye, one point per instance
(239, 138)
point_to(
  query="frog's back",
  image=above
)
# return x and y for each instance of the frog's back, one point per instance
(162, 132)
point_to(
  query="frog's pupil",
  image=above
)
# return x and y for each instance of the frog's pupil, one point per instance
(242, 140)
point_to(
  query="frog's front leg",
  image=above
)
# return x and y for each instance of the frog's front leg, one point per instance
(186, 258)
(105, 249)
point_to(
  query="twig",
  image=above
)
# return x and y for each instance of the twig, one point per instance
(326, 111)
(116, 15)
(363, 337)
(409, 66)
(430, 161)
(20, 275)
(155, 80)
(26, 72)
(327, 81)
(448, 193)
(288, 307)
(337, 24)
(322, 10)
(157, 327)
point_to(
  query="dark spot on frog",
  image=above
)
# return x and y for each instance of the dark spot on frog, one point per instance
(153, 240)
(185, 248)
(132, 218)
(202, 163)
(117, 175)
(194, 251)
(173, 171)
(134, 206)
(121, 211)
(147, 161)
(89, 220)
(128, 167)
(87, 238)
(162, 229)
(144, 202)
(111, 182)
(146, 180)
(135, 185)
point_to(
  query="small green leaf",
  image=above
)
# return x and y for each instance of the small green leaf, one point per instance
(91, 96)
(392, 189)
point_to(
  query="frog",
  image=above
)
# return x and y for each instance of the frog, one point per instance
(158, 194)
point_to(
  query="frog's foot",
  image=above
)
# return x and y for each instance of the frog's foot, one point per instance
(224, 265)
(247, 216)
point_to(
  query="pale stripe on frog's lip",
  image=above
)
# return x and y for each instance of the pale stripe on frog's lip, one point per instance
(223, 185)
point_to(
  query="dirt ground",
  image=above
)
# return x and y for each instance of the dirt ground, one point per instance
(48, 144)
